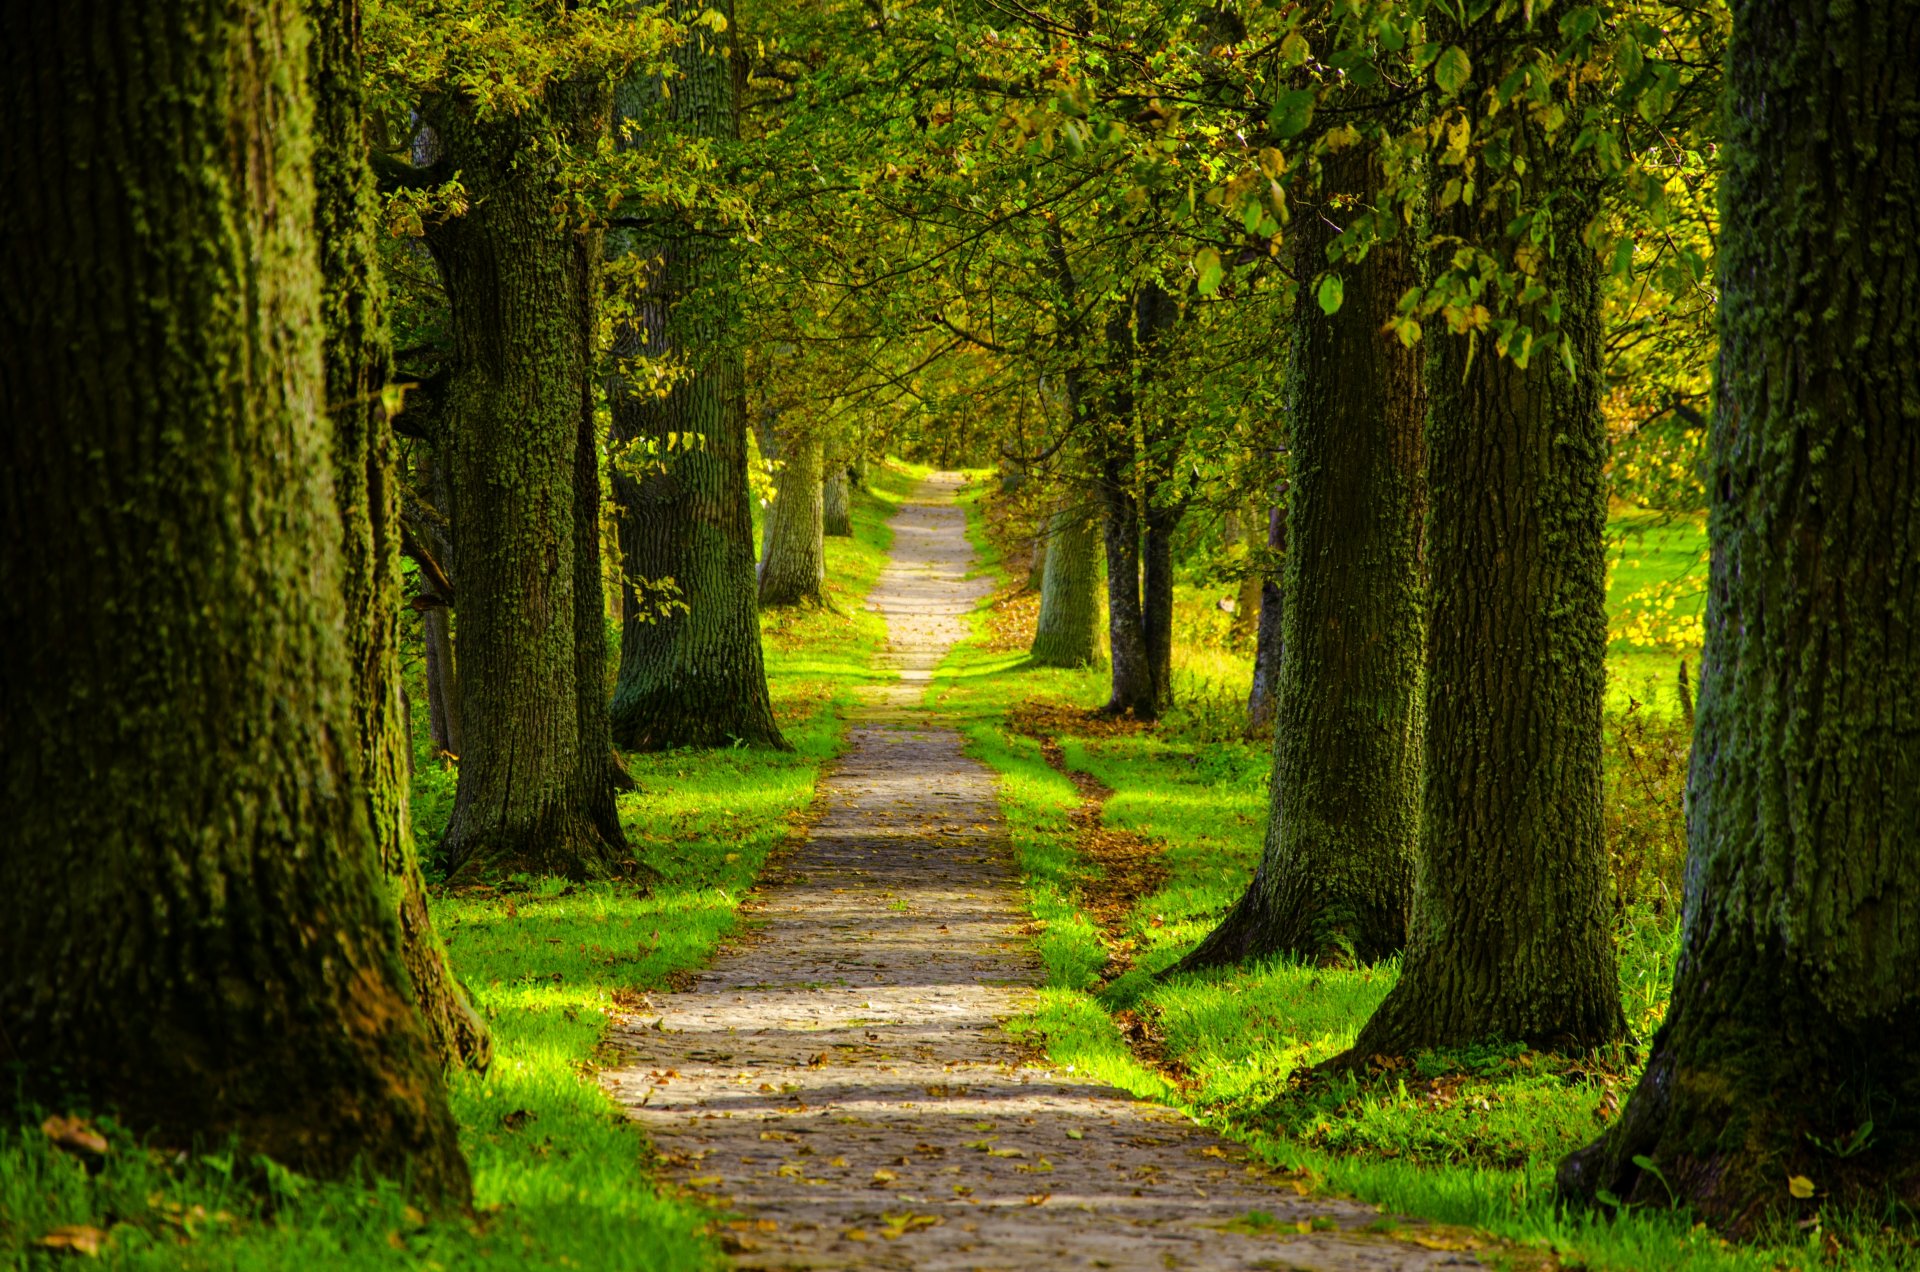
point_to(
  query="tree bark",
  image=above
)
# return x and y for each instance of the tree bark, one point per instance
(197, 934)
(1132, 672)
(534, 791)
(1246, 600)
(1068, 631)
(356, 353)
(1263, 698)
(691, 673)
(795, 572)
(1792, 1043)
(1336, 873)
(1510, 936)
(436, 620)
(837, 507)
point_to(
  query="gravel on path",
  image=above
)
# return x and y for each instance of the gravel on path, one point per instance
(839, 1083)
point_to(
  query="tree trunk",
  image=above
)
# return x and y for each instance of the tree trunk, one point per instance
(1068, 631)
(691, 670)
(532, 794)
(1246, 600)
(1336, 873)
(1132, 676)
(1792, 1044)
(795, 572)
(1511, 925)
(443, 683)
(837, 510)
(1156, 600)
(1263, 699)
(356, 356)
(197, 934)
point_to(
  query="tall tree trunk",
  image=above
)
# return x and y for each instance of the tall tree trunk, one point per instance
(197, 933)
(1792, 1044)
(443, 680)
(692, 673)
(1132, 671)
(1155, 313)
(533, 792)
(356, 355)
(1263, 698)
(1068, 631)
(436, 619)
(836, 494)
(1246, 600)
(1510, 936)
(1118, 452)
(795, 572)
(1156, 599)
(1336, 874)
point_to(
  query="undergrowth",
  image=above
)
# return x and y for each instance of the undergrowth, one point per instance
(560, 1176)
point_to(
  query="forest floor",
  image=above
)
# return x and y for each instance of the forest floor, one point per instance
(840, 1078)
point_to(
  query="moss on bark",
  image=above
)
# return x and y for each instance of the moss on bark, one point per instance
(1792, 1045)
(197, 932)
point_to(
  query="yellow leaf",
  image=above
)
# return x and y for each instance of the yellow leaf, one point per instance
(1800, 1186)
(76, 1237)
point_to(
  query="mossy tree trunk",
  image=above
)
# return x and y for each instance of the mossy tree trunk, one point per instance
(1792, 1044)
(836, 493)
(692, 672)
(356, 357)
(795, 569)
(198, 936)
(1067, 633)
(1263, 696)
(1510, 935)
(535, 789)
(1336, 873)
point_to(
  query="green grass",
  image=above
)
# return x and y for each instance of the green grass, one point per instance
(1468, 1138)
(560, 1176)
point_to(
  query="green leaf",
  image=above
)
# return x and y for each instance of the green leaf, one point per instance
(1206, 263)
(1291, 113)
(1453, 70)
(1332, 292)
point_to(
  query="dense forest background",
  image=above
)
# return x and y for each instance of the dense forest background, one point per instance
(1452, 481)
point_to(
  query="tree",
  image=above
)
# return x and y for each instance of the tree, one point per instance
(1263, 695)
(836, 497)
(536, 784)
(1789, 1063)
(692, 672)
(1336, 872)
(198, 937)
(355, 354)
(795, 569)
(1068, 630)
(1510, 930)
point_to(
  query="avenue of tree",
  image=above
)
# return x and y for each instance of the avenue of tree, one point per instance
(318, 314)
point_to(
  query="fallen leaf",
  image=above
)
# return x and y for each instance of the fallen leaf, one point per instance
(77, 1237)
(1800, 1186)
(1074, 1134)
(74, 1135)
(883, 1177)
(855, 1234)
(1039, 1199)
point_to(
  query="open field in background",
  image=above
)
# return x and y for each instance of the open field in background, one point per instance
(1468, 1139)
(560, 1176)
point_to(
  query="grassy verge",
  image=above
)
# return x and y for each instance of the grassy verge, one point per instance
(1469, 1138)
(560, 1177)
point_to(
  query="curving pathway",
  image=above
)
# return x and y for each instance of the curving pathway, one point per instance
(839, 1079)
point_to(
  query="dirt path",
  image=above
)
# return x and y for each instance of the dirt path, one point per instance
(839, 1077)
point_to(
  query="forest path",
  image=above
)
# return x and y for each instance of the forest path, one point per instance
(839, 1078)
